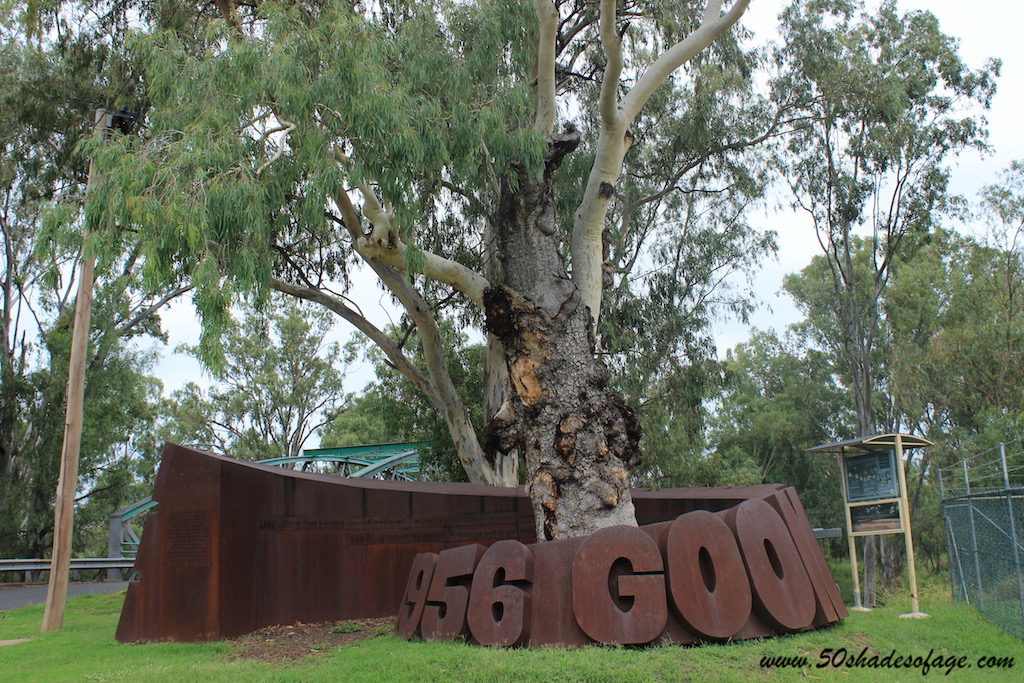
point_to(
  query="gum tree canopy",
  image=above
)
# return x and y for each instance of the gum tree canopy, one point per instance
(286, 142)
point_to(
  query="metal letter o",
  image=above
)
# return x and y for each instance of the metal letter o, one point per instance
(709, 585)
(782, 590)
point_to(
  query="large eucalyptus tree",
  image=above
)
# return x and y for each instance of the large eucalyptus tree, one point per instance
(286, 142)
(888, 103)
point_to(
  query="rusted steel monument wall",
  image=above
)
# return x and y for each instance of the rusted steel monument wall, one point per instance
(235, 546)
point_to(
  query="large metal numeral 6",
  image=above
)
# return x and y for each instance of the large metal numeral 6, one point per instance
(444, 616)
(498, 603)
(411, 609)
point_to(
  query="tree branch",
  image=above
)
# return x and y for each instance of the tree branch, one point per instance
(547, 16)
(227, 10)
(288, 128)
(386, 247)
(150, 310)
(615, 139)
(712, 25)
(378, 337)
(611, 116)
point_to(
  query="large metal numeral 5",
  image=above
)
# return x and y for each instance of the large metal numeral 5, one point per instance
(444, 616)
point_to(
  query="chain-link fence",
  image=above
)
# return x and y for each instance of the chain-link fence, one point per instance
(983, 510)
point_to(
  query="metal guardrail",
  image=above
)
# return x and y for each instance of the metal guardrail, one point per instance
(834, 532)
(23, 565)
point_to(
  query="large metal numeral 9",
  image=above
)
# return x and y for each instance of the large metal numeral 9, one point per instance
(411, 609)
(498, 603)
(444, 616)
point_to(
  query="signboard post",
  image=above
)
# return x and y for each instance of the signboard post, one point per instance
(874, 486)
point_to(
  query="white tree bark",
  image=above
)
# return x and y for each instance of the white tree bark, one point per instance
(547, 16)
(382, 252)
(614, 137)
(383, 245)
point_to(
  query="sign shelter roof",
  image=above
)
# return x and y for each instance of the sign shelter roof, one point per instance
(871, 444)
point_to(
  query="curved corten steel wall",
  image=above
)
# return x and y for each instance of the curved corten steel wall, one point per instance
(235, 546)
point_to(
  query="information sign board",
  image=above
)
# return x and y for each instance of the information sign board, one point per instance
(876, 518)
(871, 476)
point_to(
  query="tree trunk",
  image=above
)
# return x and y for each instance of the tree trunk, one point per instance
(577, 438)
(857, 347)
(870, 570)
(892, 563)
(497, 392)
(8, 397)
(497, 389)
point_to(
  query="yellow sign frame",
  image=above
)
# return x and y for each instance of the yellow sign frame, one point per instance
(854, 447)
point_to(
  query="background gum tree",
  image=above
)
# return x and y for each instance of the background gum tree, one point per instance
(429, 134)
(886, 96)
(280, 384)
(53, 81)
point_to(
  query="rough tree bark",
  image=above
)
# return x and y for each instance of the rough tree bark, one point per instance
(578, 439)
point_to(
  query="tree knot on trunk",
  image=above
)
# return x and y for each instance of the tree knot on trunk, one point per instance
(610, 492)
(545, 491)
(501, 433)
(623, 432)
(560, 145)
(565, 437)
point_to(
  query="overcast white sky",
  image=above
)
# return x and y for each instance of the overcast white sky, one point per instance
(986, 28)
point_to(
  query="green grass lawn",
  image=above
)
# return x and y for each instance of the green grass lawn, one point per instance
(85, 650)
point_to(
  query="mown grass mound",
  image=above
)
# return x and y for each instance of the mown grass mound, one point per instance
(85, 650)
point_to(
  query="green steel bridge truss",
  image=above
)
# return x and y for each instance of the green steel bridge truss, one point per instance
(375, 461)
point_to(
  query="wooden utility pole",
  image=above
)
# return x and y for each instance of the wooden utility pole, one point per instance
(67, 484)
